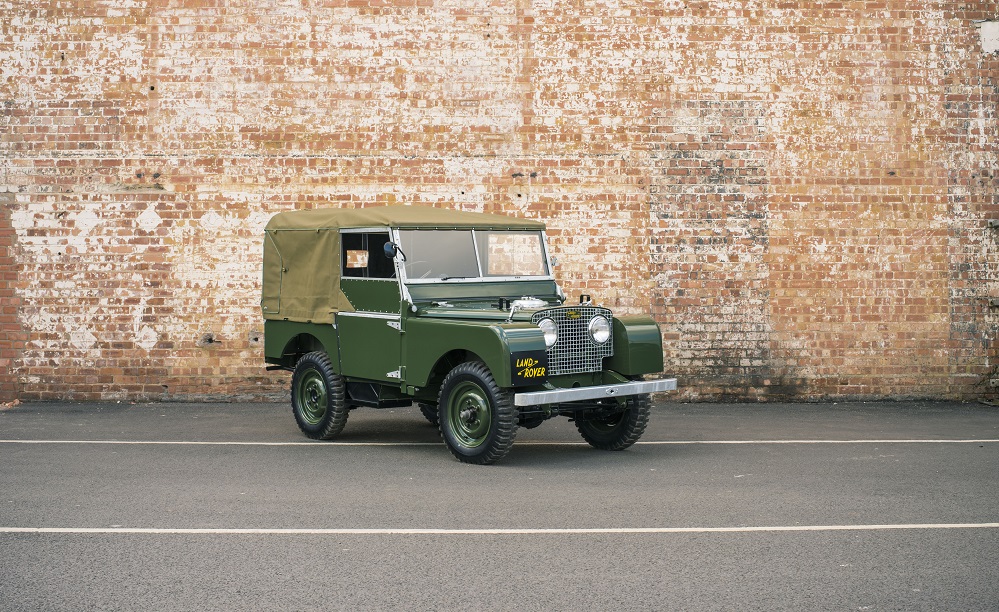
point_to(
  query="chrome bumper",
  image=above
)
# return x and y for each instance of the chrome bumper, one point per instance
(559, 396)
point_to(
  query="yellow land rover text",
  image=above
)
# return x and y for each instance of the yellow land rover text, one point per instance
(528, 368)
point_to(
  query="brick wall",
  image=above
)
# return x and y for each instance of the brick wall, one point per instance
(11, 334)
(798, 191)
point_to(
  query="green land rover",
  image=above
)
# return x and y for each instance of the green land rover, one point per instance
(455, 312)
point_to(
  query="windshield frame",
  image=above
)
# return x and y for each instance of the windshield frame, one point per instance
(401, 266)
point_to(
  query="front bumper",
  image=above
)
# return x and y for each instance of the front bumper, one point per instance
(561, 396)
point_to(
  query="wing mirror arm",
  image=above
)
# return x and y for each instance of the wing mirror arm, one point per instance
(392, 250)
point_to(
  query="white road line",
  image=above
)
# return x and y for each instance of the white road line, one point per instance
(881, 441)
(202, 443)
(539, 531)
(523, 443)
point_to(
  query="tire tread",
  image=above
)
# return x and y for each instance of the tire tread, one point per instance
(337, 411)
(504, 417)
(631, 428)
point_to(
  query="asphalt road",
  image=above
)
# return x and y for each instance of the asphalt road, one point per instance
(876, 506)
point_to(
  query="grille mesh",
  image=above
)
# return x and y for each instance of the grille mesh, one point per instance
(575, 351)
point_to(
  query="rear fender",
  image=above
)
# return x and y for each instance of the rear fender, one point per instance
(286, 341)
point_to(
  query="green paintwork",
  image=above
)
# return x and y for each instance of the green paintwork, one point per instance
(638, 346)
(280, 336)
(427, 340)
(370, 347)
(482, 313)
(467, 411)
(372, 295)
(488, 291)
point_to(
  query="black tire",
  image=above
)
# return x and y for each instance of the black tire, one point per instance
(531, 423)
(478, 420)
(318, 399)
(429, 412)
(620, 430)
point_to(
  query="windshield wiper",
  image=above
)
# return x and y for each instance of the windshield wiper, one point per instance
(445, 277)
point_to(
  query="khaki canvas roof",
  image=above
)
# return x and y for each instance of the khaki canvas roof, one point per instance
(394, 216)
(301, 263)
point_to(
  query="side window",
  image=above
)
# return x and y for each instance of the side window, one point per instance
(363, 256)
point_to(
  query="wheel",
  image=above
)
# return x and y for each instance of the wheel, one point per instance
(318, 397)
(531, 422)
(619, 430)
(430, 413)
(478, 420)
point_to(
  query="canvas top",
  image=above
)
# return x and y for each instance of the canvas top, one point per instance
(302, 253)
(394, 216)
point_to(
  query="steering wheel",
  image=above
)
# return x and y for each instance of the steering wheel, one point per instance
(411, 271)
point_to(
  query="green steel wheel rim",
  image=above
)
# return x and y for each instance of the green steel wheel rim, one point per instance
(312, 397)
(469, 414)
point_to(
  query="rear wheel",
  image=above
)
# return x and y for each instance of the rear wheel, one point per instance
(618, 430)
(430, 413)
(478, 420)
(318, 399)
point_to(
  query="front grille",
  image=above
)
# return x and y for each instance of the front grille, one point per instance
(575, 351)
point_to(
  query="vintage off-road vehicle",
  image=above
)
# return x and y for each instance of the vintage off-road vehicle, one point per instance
(456, 312)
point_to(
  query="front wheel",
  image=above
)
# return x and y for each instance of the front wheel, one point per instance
(317, 397)
(619, 430)
(478, 420)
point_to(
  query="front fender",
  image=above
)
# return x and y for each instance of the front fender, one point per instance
(638, 346)
(427, 340)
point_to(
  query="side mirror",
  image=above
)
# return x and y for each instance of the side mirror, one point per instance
(392, 250)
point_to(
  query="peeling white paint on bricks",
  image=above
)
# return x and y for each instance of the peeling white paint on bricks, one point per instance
(147, 338)
(148, 220)
(989, 32)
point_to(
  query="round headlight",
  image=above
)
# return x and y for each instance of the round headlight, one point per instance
(599, 329)
(551, 331)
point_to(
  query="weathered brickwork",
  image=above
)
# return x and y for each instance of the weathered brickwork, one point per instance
(798, 191)
(11, 334)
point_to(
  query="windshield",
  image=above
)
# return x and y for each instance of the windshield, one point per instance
(472, 254)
